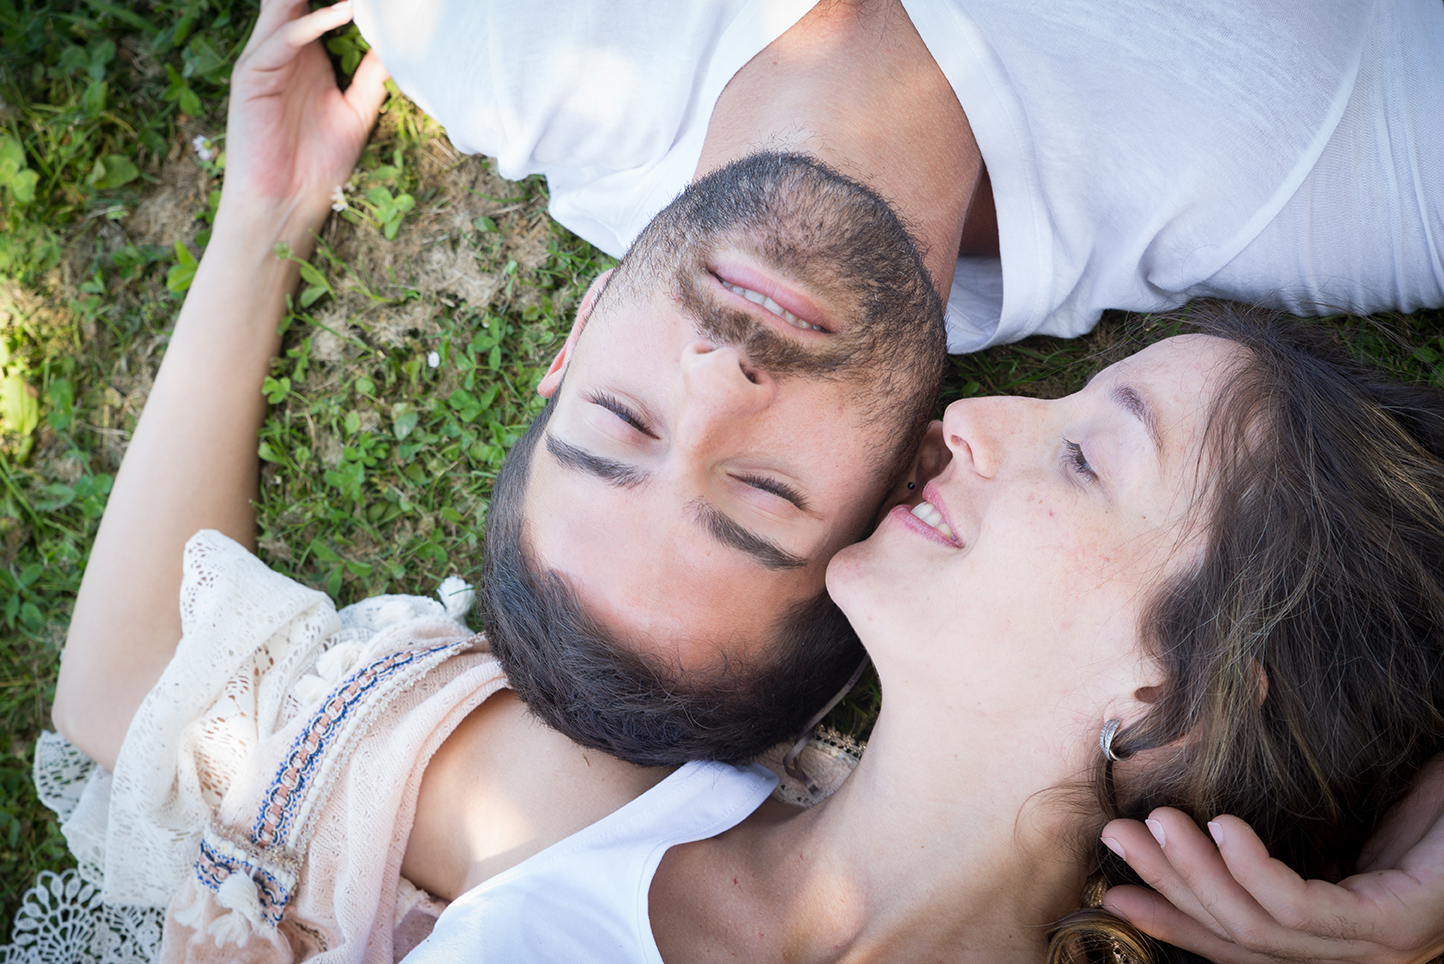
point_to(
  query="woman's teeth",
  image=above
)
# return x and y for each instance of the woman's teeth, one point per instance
(934, 518)
(757, 298)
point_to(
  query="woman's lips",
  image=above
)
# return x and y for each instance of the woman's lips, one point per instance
(905, 517)
(934, 497)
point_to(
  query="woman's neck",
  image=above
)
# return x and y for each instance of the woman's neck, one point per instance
(921, 855)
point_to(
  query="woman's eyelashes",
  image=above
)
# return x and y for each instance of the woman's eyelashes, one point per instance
(1077, 461)
(614, 405)
(780, 489)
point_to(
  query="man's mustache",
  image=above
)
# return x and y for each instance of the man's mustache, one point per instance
(765, 348)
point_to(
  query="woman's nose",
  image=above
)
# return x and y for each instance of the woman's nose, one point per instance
(979, 431)
(722, 389)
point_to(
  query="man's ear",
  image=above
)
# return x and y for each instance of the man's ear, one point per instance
(933, 455)
(547, 387)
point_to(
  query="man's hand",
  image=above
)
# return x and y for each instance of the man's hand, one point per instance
(292, 135)
(1233, 904)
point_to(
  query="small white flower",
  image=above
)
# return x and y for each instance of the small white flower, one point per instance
(338, 199)
(433, 360)
(203, 147)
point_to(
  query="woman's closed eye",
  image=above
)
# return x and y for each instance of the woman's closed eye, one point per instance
(1078, 462)
(614, 405)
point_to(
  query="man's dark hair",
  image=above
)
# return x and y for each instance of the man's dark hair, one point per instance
(586, 683)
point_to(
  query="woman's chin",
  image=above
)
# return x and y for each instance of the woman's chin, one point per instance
(848, 576)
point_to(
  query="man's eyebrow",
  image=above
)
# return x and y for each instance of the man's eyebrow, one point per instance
(619, 474)
(1135, 404)
(729, 533)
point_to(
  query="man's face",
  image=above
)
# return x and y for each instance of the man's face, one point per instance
(733, 409)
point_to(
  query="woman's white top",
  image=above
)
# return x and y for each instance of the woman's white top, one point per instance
(585, 898)
(1141, 152)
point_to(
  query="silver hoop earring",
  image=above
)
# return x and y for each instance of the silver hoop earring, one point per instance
(1105, 739)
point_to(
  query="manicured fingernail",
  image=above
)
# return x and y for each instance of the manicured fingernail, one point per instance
(1216, 830)
(1156, 828)
(1112, 844)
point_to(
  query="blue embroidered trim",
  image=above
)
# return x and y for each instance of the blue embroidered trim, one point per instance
(289, 785)
(213, 866)
(220, 857)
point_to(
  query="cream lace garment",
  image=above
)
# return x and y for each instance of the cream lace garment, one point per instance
(279, 718)
(282, 729)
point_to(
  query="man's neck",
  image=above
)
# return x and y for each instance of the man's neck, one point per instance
(854, 85)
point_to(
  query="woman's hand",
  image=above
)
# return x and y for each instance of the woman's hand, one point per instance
(1233, 904)
(191, 463)
(292, 136)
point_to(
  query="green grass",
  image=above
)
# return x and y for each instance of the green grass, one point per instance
(377, 466)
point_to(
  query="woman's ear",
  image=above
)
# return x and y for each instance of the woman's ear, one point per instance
(552, 380)
(1136, 689)
(1261, 681)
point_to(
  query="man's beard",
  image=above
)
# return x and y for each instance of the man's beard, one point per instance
(834, 237)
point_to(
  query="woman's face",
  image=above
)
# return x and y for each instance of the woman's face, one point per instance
(1022, 574)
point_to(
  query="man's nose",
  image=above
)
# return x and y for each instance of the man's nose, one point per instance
(722, 388)
(981, 431)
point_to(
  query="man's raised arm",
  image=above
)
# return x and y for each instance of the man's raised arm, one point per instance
(1233, 904)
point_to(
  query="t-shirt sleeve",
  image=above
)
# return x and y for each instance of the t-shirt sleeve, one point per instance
(610, 101)
(1134, 148)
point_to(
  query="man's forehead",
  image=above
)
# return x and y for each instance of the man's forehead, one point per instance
(620, 299)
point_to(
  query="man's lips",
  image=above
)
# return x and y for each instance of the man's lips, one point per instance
(779, 299)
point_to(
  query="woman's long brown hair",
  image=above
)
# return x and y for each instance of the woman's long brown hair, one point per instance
(1304, 653)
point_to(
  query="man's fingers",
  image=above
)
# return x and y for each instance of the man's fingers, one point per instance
(1139, 847)
(368, 88)
(1234, 903)
(1258, 902)
(1228, 908)
(1365, 909)
(273, 14)
(1233, 912)
(279, 49)
(1159, 919)
(1286, 897)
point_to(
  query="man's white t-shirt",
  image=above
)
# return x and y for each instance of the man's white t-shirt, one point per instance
(1140, 152)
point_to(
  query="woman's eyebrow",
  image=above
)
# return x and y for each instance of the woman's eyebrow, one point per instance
(1136, 405)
